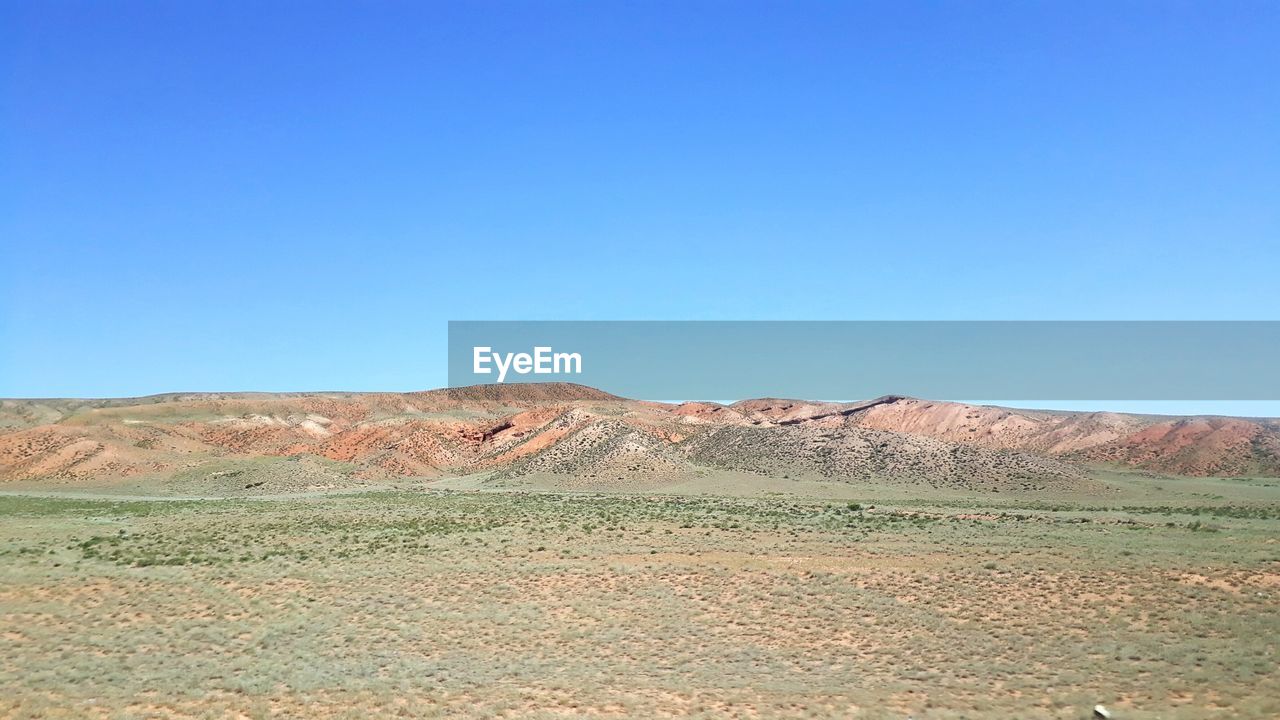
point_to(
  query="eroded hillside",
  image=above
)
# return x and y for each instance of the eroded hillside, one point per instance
(286, 442)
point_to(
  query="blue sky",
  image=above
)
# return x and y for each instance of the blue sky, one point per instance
(298, 196)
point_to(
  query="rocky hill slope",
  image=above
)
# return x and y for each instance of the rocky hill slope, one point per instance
(580, 433)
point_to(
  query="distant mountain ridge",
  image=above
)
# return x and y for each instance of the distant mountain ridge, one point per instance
(587, 435)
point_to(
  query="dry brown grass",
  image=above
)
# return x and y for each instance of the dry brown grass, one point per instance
(531, 605)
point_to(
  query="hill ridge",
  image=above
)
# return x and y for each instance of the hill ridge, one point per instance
(564, 428)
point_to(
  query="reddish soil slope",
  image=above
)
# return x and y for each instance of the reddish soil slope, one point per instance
(573, 430)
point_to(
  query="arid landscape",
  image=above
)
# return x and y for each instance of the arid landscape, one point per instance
(556, 551)
(573, 437)
(729, 300)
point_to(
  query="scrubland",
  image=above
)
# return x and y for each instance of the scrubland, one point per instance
(528, 604)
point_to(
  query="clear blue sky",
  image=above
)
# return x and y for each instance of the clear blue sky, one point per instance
(298, 196)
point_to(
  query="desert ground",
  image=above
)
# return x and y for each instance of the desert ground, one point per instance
(517, 602)
(558, 552)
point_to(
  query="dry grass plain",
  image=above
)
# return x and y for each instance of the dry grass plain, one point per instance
(530, 604)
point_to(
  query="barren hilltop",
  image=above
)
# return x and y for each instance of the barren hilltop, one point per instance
(582, 437)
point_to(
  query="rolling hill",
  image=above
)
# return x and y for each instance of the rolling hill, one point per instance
(262, 442)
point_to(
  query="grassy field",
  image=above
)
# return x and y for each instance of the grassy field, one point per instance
(529, 604)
